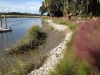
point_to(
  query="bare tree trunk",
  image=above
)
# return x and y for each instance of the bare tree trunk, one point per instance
(87, 5)
(67, 3)
(5, 21)
(0, 21)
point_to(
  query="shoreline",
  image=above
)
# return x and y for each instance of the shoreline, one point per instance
(54, 38)
(55, 54)
(21, 16)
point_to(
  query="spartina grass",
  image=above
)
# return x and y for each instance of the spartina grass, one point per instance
(22, 67)
(33, 38)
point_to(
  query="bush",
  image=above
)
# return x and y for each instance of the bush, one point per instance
(87, 42)
(33, 38)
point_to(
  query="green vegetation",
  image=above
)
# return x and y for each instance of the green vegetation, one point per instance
(75, 7)
(22, 67)
(35, 37)
(71, 25)
(19, 13)
(71, 64)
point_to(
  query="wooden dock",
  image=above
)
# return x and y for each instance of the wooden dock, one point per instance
(5, 29)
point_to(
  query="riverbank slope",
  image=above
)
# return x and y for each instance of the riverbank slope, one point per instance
(55, 54)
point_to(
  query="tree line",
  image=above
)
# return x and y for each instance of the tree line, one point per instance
(19, 13)
(73, 7)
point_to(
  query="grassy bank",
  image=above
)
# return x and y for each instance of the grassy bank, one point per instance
(20, 66)
(78, 48)
(71, 25)
(35, 58)
(70, 65)
(34, 38)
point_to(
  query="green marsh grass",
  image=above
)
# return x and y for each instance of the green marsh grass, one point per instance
(71, 25)
(32, 39)
(21, 66)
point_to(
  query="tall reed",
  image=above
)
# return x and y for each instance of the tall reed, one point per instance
(22, 67)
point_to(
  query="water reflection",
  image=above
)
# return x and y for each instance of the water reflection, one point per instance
(4, 35)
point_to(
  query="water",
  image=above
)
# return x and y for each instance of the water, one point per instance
(19, 29)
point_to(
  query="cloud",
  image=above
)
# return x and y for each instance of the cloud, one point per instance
(6, 10)
(0, 10)
(31, 6)
(13, 10)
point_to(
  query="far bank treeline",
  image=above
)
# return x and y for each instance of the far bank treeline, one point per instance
(75, 7)
(18, 13)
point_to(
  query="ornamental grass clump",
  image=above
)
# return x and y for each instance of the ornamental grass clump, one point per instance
(35, 37)
(69, 64)
(87, 42)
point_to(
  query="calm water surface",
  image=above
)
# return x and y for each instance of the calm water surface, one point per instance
(19, 29)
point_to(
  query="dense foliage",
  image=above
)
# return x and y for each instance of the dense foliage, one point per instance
(62, 7)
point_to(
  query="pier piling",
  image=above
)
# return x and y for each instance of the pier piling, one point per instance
(0, 21)
(5, 21)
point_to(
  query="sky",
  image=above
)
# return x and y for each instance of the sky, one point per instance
(29, 6)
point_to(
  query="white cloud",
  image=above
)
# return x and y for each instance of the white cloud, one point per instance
(31, 6)
(6, 10)
(13, 10)
(0, 10)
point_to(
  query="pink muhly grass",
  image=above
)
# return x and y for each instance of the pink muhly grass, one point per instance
(87, 42)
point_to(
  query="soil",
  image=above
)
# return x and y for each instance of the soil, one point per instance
(54, 38)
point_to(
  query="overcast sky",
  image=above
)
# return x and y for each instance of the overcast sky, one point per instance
(30, 6)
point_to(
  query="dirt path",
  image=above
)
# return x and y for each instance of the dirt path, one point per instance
(54, 37)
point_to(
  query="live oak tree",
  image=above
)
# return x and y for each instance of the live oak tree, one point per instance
(61, 7)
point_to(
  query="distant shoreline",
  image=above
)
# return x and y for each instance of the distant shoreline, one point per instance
(22, 16)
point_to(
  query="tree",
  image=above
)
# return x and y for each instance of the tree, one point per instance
(47, 5)
(52, 7)
(42, 9)
(63, 7)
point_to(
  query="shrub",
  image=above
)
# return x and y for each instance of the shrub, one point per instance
(33, 38)
(87, 42)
